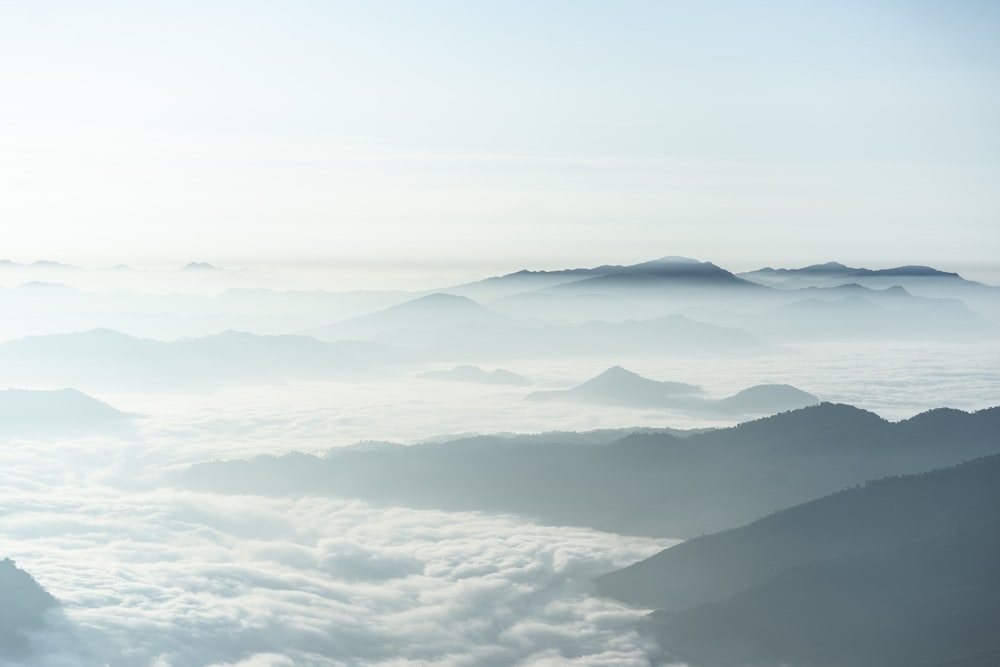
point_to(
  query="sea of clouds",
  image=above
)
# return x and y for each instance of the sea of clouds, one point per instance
(164, 578)
(151, 576)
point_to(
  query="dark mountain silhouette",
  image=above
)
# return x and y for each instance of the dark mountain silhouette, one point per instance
(106, 358)
(835, 272)
(468, 373)
(596, 293)
(645, 483)
(909, 271)
(922, 281)
(68, 411)
(667, 272)
(619, 386)
(900, 571)
(820, 302)
(22, 609)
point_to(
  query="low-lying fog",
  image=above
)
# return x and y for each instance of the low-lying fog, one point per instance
(149, 576)
(895, 382)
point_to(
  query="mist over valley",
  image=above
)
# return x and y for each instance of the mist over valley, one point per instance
(219, 475)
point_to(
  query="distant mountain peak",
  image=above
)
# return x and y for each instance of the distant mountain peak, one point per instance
(673, 259)
(828, 266)
(909, 270)
(200, 266)
(617, 371)
(769, 398)
(618, 379)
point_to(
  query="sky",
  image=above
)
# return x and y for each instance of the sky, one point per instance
(482, 137)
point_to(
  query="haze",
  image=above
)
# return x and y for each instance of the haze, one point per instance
(484, 138)
(388, 334)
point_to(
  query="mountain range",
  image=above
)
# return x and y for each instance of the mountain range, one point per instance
(650, 483)
(527, 310)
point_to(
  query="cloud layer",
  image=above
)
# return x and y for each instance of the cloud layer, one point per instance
(172, 579)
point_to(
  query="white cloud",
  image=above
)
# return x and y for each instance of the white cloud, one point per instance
(172, 579)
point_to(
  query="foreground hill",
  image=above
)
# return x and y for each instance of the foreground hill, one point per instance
(22, 609)
(658, 484)
(901, 571)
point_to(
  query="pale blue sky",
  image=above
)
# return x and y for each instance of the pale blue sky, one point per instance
(501, 134)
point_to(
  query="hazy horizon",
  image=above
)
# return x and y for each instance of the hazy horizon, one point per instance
(222, 227)
(502, 135)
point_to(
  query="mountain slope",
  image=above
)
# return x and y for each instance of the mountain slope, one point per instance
(645, 483)
(900, 571)
(22, 609)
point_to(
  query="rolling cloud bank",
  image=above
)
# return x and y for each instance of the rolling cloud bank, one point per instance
(204, 469)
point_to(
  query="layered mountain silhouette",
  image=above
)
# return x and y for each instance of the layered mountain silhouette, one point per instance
(837, 273)
(23, 607)
(65, 411)
(939, 305)
(924, 281)
(667, 271)
(812, 303)
(618, 386)
(663, 273)
(900, 571)
(660, 484)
